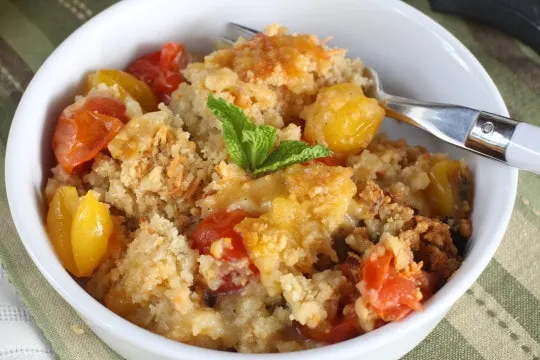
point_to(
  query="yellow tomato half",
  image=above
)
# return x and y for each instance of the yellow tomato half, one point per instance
(79, 230)
(444, 185)
(92, 226)
(127, 85)
(59, 221)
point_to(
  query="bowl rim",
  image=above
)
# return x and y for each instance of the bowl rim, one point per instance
(134, 335)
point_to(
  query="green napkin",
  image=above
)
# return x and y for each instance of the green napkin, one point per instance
(498, 318)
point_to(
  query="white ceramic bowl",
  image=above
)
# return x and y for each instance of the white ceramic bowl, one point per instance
(415, 57)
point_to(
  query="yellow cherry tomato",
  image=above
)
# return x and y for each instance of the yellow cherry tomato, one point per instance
(444, 185)
(342, 118)
(127, 85)
(90, 232)
(59, 221)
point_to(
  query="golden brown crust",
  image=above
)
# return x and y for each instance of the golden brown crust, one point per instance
(370, 200)
(298, 227)
(155, 172)
(432, 243)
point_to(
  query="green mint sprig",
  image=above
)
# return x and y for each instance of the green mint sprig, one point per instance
(251, 146)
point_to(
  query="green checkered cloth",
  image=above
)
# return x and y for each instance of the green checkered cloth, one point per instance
(498, 318)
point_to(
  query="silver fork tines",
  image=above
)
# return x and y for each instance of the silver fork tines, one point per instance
(241, 30)
(236, 31)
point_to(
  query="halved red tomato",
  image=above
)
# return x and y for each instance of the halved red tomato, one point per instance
(161, 70)
(341, 328)
(389, 293)
(218, 226)
(85, 128)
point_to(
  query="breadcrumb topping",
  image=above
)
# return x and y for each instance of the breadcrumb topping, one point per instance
(309, 230)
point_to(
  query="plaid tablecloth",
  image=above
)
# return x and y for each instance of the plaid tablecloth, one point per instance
(498, 318)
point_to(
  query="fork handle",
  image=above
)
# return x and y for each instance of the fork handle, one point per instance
(509, 141)
(516, 143)
(523, 150)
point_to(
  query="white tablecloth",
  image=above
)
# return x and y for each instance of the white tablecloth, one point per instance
(20, 339)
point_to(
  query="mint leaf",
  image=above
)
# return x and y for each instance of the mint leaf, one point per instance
(234, 146)
(250, 146)
(247, 143)
(258, 143)
(234, 122)
(291, 152)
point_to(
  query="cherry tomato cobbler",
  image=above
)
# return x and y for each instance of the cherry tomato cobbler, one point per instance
(245, 202)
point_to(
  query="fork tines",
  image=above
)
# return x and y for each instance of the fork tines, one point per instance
(236, 31)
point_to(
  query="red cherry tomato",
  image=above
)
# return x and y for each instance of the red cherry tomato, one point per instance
(339, 329)
(396, 298)
(84, 129)
(342, 327)
(390, 294)
(107, 106)
(375, 270)
(146, 68)
(172, 57)
(161, 70)
(217, 226)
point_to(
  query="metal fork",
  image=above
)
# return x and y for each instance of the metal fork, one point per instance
(497, 137)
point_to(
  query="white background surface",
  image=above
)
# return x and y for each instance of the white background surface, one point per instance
(20, 339)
